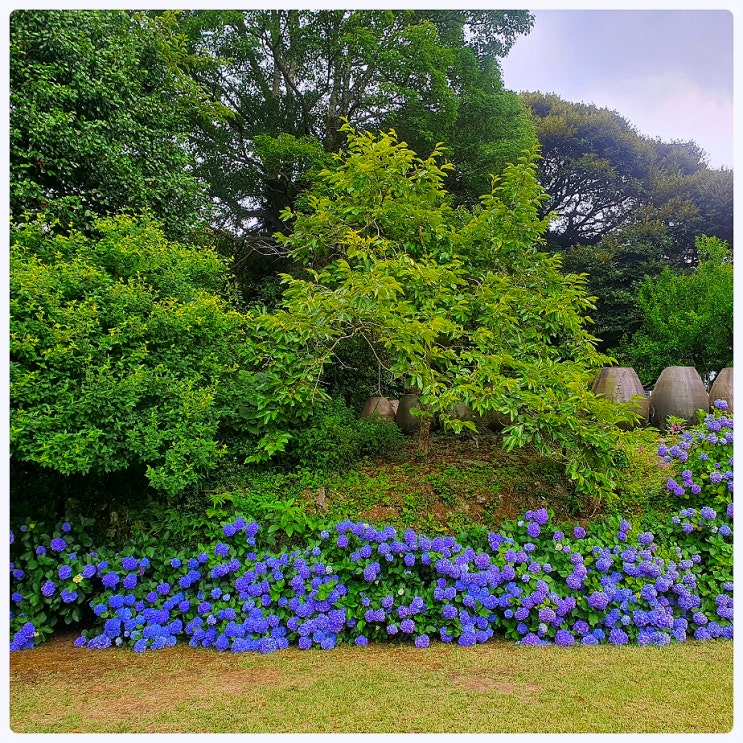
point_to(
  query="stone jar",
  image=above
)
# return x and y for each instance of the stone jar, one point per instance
(678, 392)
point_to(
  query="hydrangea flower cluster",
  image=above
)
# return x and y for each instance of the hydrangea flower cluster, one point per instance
(703, 456)
(420, 588)
(706, 453)
(356, 583)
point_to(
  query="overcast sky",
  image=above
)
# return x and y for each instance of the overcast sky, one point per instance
(668, 72)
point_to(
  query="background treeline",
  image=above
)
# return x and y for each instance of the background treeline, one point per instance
(215, 259)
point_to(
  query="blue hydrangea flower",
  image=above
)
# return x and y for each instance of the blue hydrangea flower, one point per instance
(110, 580)
(221, 549)
(48, 588)
(58, 544)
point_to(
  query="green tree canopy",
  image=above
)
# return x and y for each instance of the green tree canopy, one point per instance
(615, 268)
(123, 357)
(593, 167)
(101, 106)
(461, 305)
(291, 77)
(687, 318)
(603, 176)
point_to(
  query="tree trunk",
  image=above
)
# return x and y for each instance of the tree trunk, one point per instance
(424, 435)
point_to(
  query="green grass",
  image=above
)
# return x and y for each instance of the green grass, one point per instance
(498, 687)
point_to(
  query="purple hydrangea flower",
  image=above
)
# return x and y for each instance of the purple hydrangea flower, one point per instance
(598, 600)
(540, 516)
(564, 638)
(547, 615)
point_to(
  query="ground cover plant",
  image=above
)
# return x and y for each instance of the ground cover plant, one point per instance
(356, 583)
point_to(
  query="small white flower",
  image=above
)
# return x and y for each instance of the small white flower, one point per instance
(558, 547)
(401, 592)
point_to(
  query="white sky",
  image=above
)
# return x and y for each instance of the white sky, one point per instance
(669, 73)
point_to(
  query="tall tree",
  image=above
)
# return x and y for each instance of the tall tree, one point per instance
(615, 268)
(602, 176)
(101, 106)
(291, 77)
(461, 306)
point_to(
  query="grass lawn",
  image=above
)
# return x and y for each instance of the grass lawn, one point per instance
(498, 687)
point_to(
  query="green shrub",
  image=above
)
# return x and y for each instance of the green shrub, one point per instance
(335, 437)
(642, 485)
(123, 354)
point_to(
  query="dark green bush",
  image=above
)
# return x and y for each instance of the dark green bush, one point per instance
(336, 437)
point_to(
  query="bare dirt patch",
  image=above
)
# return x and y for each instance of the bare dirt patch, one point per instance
(502, 684)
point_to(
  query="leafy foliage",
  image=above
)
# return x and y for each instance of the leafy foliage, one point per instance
(290, 78)
(463, 304)
(335, 437)
(687, 318)
(122, 353)
(641, 489)
(616, 266)
(101, 104)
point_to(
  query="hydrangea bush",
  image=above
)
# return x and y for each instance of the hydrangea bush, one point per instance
(355, 583)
